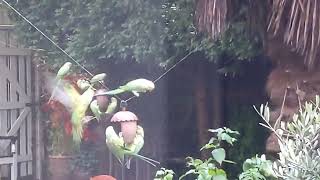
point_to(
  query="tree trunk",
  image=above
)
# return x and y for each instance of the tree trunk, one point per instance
(217, 98)
(290, 79)
(201, 106)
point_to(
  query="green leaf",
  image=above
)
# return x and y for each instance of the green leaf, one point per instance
(168, 177)
(191, 171)
(219, 155)
(218, 174)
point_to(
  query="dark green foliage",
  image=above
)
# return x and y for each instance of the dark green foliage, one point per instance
(252, 136)
(236, 43)
(144, 31)
(95, 29)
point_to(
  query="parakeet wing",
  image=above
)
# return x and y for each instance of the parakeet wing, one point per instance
(112, 92)
(115, 143)
(112, 105)
(72, 93)
(95, 109)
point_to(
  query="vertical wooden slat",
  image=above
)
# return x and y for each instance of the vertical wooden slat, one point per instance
(3, 38)
(29, 150)
(27, 61)
(3, 114)
(22, 73)
(29, 118)
(39, 127)
(23, 138)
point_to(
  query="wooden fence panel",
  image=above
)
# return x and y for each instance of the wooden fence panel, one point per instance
(16, 117)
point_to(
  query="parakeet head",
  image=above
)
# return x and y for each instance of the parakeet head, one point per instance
(83, 84)
(68, 64)
(149, 85)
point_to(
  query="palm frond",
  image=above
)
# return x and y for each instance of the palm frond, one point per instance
(211, 16)
(299, 22)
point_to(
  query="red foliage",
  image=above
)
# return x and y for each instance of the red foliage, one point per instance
(59, 115)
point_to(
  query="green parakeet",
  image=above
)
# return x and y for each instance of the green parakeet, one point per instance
(83, 84)
(79, 104)
(112, 106)
(116, 145)
(97, 78)
(62, 72)
(137, 144)
(135, 86)
(96, 110)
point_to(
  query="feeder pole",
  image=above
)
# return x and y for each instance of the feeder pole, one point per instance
(123, 107)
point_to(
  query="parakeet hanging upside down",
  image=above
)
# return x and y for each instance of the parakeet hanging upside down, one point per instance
(116, 145)
(135, 86)
(79, 105)
(76, 103)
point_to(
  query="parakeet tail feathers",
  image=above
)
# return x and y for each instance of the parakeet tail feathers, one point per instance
(112, 92)
(77, 133)
(146, 159)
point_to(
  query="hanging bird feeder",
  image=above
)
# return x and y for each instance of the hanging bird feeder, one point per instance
(128, 122)
(102, 100)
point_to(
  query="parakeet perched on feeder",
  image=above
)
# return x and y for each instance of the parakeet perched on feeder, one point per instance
(96, 110)
(116, 145)
(83, 84)
(112, 106)
(135, 86)
(137, 144)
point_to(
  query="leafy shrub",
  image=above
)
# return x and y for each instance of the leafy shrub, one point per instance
(299, 156)
(257, 168)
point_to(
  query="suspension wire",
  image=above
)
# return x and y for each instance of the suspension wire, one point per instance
(54, 43)
(167, 71)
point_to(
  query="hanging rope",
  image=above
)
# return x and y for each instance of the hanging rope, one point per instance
(81, 66)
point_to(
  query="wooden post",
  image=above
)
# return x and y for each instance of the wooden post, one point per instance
(201, 106)
(217, 95)
(39, 151)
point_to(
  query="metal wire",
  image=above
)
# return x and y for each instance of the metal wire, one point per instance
(167, 71)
